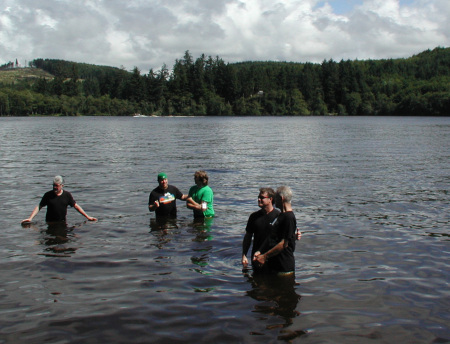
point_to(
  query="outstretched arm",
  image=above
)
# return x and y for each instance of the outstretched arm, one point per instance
(33, 214)
(82, 212)
(191, 204)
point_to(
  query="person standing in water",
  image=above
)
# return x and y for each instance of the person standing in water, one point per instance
(162, 199)
(57, 201)
(259, 226)
(279, 248)
(201, 196)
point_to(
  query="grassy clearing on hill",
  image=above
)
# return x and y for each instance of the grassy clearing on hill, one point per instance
(12, 76)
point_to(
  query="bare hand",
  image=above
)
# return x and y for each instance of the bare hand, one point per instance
(299, 234)
(244, 261)
(260, 258)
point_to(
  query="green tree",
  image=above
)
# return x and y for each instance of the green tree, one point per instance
(4, 104)
(330, 84)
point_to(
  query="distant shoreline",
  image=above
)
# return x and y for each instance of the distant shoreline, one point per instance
(215, 116)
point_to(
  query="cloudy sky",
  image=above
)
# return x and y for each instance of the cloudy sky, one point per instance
(150, 33)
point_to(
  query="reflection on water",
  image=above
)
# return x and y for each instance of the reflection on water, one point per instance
(58, 238)
(160, 227)
(202, 229)
(163, 224)
(370, 196)
(278, 299)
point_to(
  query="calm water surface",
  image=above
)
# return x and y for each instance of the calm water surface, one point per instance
(370, 195)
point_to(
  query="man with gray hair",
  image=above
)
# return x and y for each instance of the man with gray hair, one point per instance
(57, 201)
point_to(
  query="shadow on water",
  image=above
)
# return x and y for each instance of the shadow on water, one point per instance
(277, 297)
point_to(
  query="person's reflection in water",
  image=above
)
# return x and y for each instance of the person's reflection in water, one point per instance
(160, 227)
(201, 228)
(57, 237)
(162, 223)
(277, 298)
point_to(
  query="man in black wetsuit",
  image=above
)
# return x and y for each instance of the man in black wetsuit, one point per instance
(259, 226)
(57, 201)
(162, 199)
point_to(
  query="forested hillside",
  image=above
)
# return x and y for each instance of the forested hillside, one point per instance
(419, 85)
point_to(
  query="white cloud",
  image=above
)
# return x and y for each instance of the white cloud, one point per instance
(148, 33)
(43, 19)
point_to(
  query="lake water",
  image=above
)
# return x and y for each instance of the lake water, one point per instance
(371, 196)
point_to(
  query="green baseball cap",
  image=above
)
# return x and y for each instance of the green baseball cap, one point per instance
(162, 176)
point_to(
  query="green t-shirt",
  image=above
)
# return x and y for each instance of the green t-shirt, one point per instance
(203, 194)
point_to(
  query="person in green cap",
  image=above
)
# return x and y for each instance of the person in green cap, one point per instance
(162, 199)
(201, 196)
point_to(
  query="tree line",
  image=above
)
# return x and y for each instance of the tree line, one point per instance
(207, 86)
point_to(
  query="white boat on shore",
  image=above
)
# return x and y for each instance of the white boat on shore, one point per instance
(138, 115)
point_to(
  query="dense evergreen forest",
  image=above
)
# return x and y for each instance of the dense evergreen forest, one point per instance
(207, 86)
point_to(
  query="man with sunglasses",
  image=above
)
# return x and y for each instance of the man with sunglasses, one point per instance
(259, 226)
(280, 246)
(57, 201)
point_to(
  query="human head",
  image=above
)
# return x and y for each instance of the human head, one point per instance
(266, 197)
(269, 191)
(162, 181)
(162, 175)
(284, 193)
(58, 182)
(201, 177)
